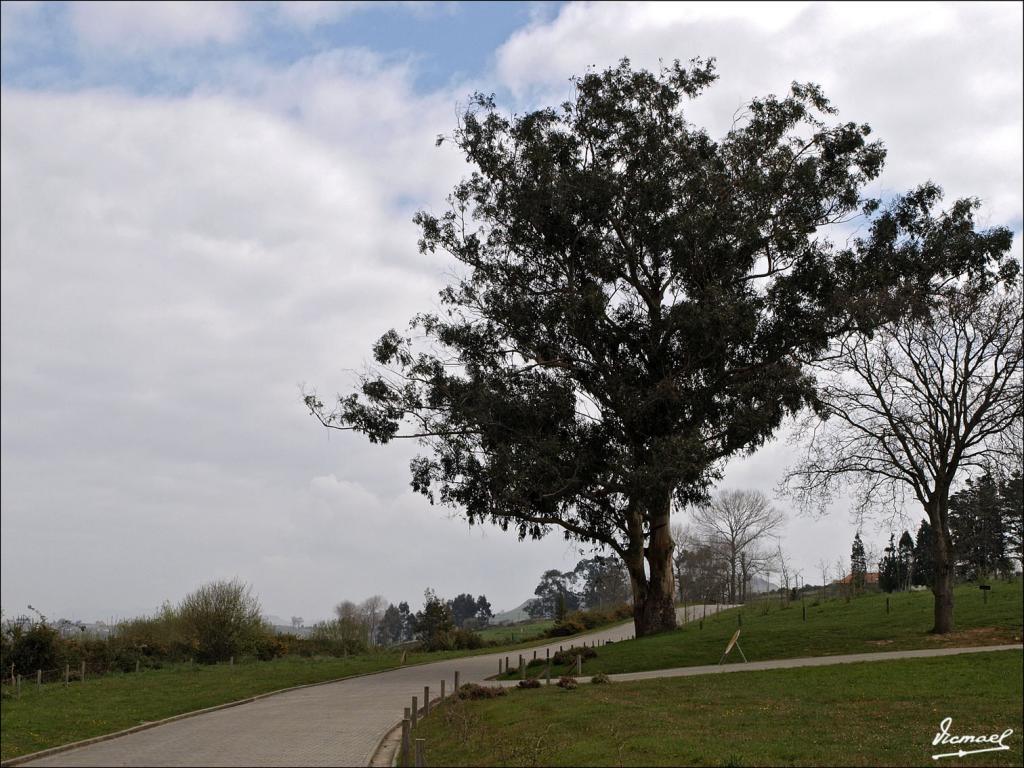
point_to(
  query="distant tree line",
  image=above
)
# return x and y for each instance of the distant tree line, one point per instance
(595, 583)
(985, 520)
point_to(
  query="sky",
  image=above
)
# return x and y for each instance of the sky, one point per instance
(206, 209)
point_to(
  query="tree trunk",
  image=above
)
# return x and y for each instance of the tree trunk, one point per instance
(654, 608)
(942, 589)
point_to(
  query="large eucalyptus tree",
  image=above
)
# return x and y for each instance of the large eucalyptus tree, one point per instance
(635, 304)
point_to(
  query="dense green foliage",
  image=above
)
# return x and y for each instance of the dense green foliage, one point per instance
(982, 516)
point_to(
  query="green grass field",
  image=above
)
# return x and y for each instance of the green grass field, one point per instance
(517, 633)
(877, 713)
(833, 627)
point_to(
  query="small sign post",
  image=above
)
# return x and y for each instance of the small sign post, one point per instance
(735, 641)
(984, 592)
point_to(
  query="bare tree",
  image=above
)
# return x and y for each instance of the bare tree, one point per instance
(786, 573)
(753, 562)
(700, 568)
(736, 521)
(372, 610)
(842, 577)
(922, 404)
(825, 569)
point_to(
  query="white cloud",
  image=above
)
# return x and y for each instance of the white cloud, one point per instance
(939, 83)
(137, 28)
(311, 13)
(172, 270)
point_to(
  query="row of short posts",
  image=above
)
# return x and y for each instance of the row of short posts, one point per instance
(413, 751)
(16, 679)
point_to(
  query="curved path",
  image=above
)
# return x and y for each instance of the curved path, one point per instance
(334, 724)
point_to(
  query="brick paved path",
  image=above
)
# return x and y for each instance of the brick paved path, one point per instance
(336, 724)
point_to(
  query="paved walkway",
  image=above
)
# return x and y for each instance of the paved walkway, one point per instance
(336, 724)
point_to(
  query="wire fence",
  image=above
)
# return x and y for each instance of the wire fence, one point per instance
(16, 683)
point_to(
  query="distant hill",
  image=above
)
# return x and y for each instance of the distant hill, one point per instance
(512, 616)
(759, 586)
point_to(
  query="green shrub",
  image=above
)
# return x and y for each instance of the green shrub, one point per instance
(37, 647)
(220, 620)
(581, 621)
(531, 683)
(453, 640)
(567, 682)
(568, 656)
(473, 691)
(600, 679)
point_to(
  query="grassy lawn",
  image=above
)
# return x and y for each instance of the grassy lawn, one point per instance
(878, 713)
(832, 627)
(517, 632)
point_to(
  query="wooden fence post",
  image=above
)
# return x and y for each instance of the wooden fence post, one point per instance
(67, 675)
(499, 665)
(406, 729)
(39, 679)
(442, 690)
(83, 671)
(415, 712)
(426, 700)
(547, 653)
(421, 753)
(456, 682)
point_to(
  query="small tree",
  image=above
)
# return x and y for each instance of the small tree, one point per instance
(858, 565)
(924, 556)
(392, 627)
(603, 582)
(220, 620)
(554, 596)
(976, 524)
(371, 611)
(889, 568)
(435, 618)
(463, 608)
(1011, 494)
(483, 609)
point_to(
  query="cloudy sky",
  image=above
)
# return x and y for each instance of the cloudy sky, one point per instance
(207, 207)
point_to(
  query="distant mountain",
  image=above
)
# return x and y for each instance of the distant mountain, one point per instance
(758, 586)
(512, 616)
